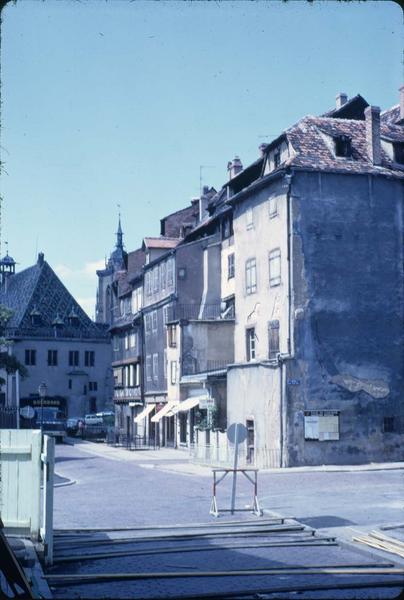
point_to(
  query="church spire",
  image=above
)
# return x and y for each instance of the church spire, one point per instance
(119, 234)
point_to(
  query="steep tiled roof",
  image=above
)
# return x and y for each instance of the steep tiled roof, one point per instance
(39, 289)
(310, 139)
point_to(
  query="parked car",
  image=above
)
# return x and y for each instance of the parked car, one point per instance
(73, 425)
(52, 421)
(96, 425)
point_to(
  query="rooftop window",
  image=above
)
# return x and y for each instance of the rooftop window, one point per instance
(343, 146)
(399, 152)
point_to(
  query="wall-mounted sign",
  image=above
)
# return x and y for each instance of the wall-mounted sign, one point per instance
(207, 402)
(321, 425)
(293, 381)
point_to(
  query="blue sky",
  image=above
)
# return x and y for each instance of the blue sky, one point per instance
(108, 102)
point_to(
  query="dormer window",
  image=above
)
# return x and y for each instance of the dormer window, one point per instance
(398, 148)
(35, 316)
(73, 318)
(343, 146)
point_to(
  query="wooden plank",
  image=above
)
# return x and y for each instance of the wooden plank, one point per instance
(184, 549)
(79, 579)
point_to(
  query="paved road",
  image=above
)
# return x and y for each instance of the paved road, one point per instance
(149, 486)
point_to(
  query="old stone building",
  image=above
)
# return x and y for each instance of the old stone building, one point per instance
(318, 232)
(57, 342)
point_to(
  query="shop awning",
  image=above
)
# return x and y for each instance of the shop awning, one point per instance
(187, 404)
(146, 411)
(163, 412)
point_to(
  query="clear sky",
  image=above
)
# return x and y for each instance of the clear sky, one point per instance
(119, 102)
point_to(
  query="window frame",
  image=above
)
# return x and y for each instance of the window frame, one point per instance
(251, 349)
(273, 210)
(231, 268)
(52, 358)
(273, 339)
(274, 258)
(251, 276)
(155, 366)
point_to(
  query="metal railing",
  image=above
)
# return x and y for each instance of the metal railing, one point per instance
(223, 456)
(193, 312)
(191, 366)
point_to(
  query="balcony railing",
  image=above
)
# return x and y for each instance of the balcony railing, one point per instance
(193, 366)
(194, 312)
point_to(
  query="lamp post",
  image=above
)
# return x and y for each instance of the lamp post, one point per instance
(42, 390)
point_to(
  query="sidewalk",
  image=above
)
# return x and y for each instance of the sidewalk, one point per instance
(178, 461)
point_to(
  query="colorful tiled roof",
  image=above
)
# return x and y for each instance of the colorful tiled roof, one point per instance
(39, 289)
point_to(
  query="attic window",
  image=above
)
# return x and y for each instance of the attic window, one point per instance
(343, 146)
(399, 152)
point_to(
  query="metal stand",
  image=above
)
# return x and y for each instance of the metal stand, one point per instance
(256, 509)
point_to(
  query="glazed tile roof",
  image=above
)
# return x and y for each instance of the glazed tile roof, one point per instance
(39, 289)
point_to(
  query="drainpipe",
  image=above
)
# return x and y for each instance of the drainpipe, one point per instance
(141, 367)
(290, 352)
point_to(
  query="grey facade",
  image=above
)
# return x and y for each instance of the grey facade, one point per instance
(330, 390)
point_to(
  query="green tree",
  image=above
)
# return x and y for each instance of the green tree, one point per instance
(8, 362)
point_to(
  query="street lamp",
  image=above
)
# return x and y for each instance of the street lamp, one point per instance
(42, 390)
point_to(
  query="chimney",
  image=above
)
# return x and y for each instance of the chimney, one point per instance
(234, 167)
(372, 121)
(341, 99)
(402, 103)
(203, 203)
(262, 148)
(41, 258)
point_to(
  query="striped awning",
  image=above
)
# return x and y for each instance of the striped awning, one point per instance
(163, 412)
(146, 411)
(187, 404)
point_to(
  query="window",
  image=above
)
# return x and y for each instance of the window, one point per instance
(70, 384)
(154, 321)
(52, 358)
(249, 218)
(343, 146)
(250, 343)
(30, 357)
(166, 313)
(230, 266)
(388, 424)
(165, 363)
(92, 386)
(172, 336)
(163, 276)
(89, 356)
(273, 207)
(170, 273)
(148, 367)
(147, 323)
(251, 276)
(173, 372)
(73, 358)
(155, 367)
(321, 425)
(277, 158)
(398, 148)
(274, 267)
(118, 377)
(148, 283)
(127, 341)
(156, 279)
(116, 343)
(273, 339)
(227, 228)
(132, 340)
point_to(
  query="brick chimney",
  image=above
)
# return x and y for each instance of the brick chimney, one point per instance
(41, 259)
(341, 99)
(234, 167)
(372, 120)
